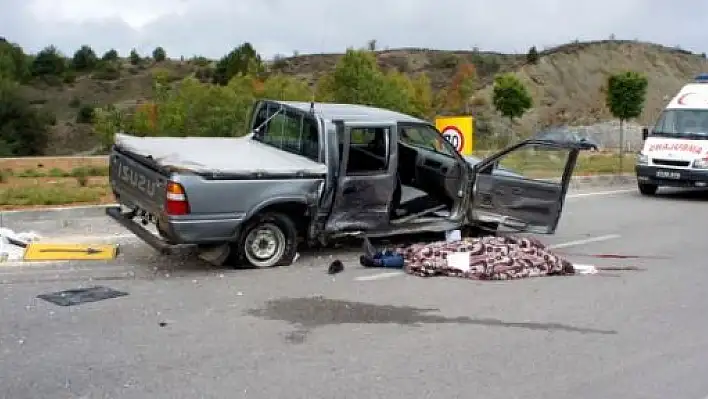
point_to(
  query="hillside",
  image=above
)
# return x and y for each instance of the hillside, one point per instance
(566, 83)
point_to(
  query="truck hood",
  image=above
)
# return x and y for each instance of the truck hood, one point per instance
(677, 149)
(216, 155)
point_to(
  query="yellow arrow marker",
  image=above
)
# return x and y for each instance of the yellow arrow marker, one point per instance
(50, 251)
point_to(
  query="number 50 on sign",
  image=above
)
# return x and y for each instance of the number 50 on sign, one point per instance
(458, 131)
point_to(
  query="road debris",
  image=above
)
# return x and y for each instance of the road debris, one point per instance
(81, 295)
(12, 244)
(28, 246)
(335, 267)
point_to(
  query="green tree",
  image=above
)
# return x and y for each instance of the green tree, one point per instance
(134, 57)
(510, 97)
(106, 122)
(14, 63)
(110, 55)
(23, 130)
(85, 114)
(242, 60)
(357, 79)
(532, 56)
(625, 97)
(48, 62)
(422, 101)
(283, 87)
(84, 59)
(159, 54)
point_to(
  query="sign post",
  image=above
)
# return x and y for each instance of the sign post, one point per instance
(458, 131)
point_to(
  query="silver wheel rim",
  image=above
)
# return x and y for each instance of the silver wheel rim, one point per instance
(265, 245)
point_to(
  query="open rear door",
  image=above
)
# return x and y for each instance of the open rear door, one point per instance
(523, 187)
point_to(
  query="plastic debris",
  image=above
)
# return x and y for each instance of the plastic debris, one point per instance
(12, 244)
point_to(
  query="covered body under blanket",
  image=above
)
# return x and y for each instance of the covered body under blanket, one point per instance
(485, 258)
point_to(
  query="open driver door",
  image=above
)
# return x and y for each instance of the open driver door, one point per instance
(523, 187)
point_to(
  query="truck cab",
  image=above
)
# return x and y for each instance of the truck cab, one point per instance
(675, 151)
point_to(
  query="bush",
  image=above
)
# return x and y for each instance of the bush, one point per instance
(279, 62)
(446, 61)
(85, 114)
(23, 130)
(110, 55)
(532, 56)
(241, 60)
(134, 57)
(14, 63)
(200, 61)
(159, 54)
(48, 62)
(108, 71)
(69, 77)
(84, 59)
(204, 74)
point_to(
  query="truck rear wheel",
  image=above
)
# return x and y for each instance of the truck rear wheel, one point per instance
(648, 189)
(268, 240)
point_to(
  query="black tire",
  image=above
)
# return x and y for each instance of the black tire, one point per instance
(648, 189)
(276, 230)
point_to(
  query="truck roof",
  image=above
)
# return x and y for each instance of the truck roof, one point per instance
(351, 112)
(691, 96)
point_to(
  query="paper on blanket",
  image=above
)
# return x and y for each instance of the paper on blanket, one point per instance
(584, 269)
(453, 235)
(459, 261)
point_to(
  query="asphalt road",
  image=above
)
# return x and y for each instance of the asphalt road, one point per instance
(187, 330)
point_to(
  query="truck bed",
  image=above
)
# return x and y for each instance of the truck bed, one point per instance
(239, 155)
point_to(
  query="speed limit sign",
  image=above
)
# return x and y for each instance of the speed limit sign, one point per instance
(454, 136)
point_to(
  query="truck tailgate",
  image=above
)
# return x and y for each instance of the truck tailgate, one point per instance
(136, 184)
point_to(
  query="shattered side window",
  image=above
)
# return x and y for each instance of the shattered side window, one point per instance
(534, 162)
(424, 137)
(291, 131)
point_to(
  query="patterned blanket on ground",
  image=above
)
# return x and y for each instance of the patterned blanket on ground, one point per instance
(490, 258)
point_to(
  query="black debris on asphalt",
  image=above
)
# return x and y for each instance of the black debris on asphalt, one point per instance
(335, 267)
(81, 295)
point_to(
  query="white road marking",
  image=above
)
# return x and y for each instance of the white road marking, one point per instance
(584, 241)
(380, 276)
(599, 193)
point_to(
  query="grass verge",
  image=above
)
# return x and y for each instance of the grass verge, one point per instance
(53, 186)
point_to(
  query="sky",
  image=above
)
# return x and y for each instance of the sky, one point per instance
(211, 28)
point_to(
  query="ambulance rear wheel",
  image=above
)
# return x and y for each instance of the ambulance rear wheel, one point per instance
(648, 189)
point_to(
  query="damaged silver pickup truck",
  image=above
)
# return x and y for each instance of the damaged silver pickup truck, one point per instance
(313, 172)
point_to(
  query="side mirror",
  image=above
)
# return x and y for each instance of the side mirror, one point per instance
(645, 133)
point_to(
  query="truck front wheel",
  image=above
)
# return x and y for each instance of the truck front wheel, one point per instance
(648, 189)
(268, 240)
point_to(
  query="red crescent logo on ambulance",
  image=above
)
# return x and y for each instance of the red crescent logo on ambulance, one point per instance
(682, 98)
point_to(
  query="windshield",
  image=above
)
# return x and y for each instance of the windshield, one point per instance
(682, 123)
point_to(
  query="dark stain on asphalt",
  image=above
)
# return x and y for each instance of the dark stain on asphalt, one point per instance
(309, 313)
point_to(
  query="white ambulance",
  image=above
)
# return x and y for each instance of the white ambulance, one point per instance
(675, 150)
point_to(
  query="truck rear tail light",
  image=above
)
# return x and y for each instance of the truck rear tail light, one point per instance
(176, 200)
